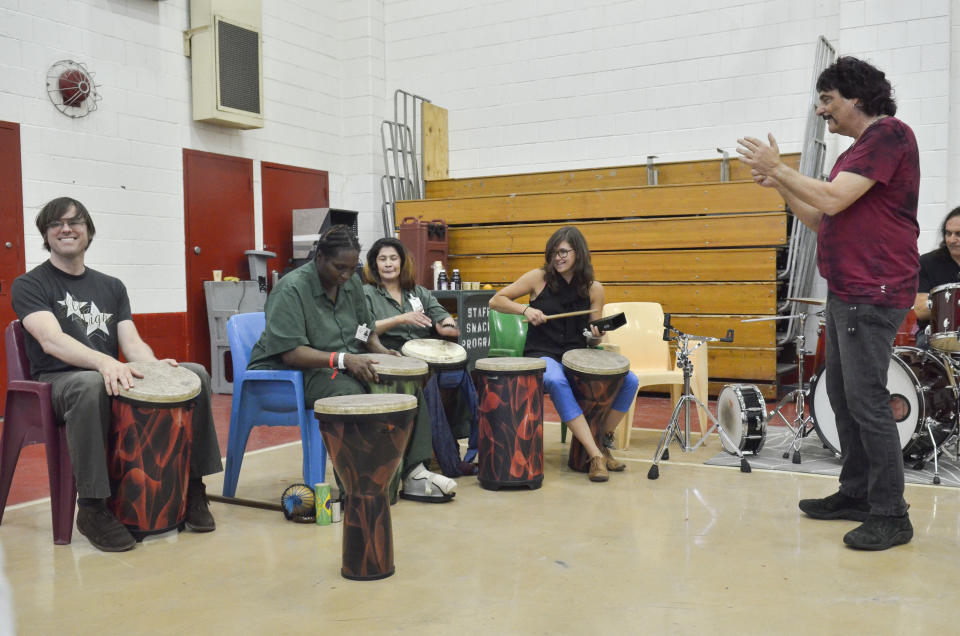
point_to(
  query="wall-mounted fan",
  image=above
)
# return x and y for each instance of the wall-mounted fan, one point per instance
(71, 88)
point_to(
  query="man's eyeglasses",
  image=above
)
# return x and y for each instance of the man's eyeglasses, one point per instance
(562, 253)
(74, 223)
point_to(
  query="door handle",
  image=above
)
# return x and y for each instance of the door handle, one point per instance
(8, 245)
(196, 249)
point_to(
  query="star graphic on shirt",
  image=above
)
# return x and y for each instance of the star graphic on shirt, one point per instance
(73, 306)
(97, 320)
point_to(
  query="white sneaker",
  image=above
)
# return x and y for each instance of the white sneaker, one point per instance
(426, 486)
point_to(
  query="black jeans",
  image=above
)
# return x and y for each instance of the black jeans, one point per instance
(857, 367)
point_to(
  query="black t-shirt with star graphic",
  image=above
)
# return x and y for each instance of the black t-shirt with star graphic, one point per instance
(89, 307)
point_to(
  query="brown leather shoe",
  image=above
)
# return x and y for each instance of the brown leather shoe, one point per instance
(598, 469)
(612, 463)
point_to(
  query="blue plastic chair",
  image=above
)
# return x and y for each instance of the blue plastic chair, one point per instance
(266, 398)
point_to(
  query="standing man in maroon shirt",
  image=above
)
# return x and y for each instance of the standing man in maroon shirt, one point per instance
(865, 218)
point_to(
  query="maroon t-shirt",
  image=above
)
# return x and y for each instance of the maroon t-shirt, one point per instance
(868, 252)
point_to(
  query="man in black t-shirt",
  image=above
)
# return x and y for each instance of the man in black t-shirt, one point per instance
(939, 267)
(77, 321)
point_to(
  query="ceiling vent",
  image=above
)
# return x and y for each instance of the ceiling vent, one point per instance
(226, 48)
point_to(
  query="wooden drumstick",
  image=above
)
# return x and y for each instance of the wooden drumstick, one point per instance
(567, 314)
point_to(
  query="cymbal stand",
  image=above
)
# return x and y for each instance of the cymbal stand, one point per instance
(801, 426)
(674, 430)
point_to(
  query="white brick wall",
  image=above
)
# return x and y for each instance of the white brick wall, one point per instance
(125, 160)
(529, 84)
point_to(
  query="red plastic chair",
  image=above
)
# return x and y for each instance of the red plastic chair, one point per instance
(29, 420)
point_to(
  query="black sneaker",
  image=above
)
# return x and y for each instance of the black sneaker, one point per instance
(103, 530)
(836, 506)
(880, 533)
(198, 518)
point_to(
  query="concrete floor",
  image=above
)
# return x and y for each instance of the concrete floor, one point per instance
(703, 550)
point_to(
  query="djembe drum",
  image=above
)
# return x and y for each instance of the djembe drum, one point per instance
(596, 377)
(149, 448)
(398, 374)
(510, 421)
(441, 355)
(366, 436)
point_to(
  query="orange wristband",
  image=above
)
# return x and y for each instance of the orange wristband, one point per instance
(333, 354)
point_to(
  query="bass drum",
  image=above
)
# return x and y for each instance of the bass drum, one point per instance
(919, 387)
(741, 413)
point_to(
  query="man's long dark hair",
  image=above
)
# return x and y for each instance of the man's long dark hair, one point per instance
(943, 229)
(582, 268)
(54, 211)
(856, 79)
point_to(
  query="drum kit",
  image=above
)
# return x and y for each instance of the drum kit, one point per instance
(924, 395)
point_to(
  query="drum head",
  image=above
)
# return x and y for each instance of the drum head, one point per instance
(904, 402)
(507, 365)
(732, 418)
(162, 383)
(433, 351)
(365, 404)
(595, 361)
(398, 365)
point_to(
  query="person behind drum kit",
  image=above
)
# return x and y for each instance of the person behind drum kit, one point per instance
(939, 267)
(77, 321)
(562, 284)
(317, 320)
(406, 311)
(866, 223)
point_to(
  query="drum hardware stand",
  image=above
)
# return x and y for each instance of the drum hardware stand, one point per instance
(673, 430)
(801, 426)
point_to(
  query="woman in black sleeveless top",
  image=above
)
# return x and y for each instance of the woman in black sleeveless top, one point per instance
(565, 283)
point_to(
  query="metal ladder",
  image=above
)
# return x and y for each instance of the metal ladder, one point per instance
(402, 179)
(802, 249)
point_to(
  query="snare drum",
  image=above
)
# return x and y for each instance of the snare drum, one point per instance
(510, 421)
(920, 389)
(945, 317)
(741, 412)
(596, 377)
(366, 436)
(149, 448)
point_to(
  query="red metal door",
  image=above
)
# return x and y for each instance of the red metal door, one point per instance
(11, 232)
(218, 224)
(287, 188)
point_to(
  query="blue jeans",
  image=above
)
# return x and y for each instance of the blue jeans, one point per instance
(857, 387)
(557, 385)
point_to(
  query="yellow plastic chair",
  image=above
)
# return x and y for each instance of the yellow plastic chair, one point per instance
(641, 342)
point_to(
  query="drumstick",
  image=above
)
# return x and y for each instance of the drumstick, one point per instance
(568, 314)
(250, 503)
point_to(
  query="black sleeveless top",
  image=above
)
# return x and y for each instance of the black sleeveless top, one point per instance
(556, 337)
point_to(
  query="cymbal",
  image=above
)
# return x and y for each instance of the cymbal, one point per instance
(809, 301)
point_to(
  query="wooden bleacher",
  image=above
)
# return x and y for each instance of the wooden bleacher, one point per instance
(706, 251)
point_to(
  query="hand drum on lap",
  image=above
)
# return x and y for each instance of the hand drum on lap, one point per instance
(595, 376)
(398, 374)
(365, 436)
(510, 421)
(149, 448)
